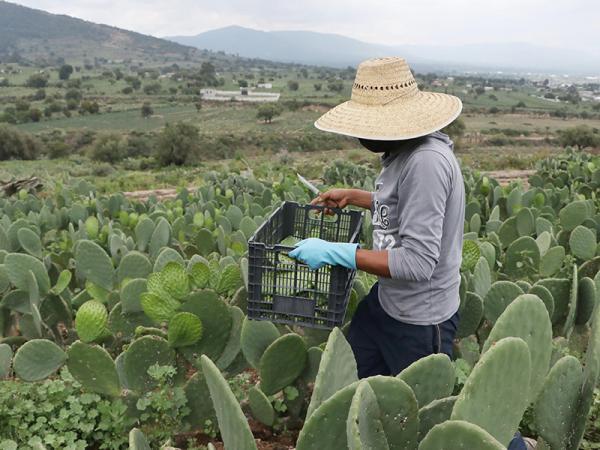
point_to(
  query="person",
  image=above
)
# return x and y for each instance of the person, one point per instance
(418, 209)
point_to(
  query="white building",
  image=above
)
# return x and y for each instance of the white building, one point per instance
(243, 95)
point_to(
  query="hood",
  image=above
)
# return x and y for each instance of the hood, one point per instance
(412, 144)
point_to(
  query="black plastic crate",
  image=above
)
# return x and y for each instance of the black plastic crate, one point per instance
(283, 290)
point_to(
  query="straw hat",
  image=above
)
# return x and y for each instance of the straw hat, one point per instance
(386, 104)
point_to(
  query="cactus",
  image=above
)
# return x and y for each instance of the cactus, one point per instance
(216, 323)
(91, 321)
(94, 264)
(489, 253)
(498, 298)
(165, 256)
(158, 309)
(38, 359)
(184, 329)
(586, 300)
(234, 427)
(560, 288)
(525, 222)
(255, 337)
(18, 265)
(233, 346)
(313, 360)
(507, 233)
(200, 273)
(436, 412)
(175, 280)
(140, 355)
(431, 378)
(230, 279)
(336, 370)
(582, 242)
(522, 257)
(205, 242)
(198, 401)
(326, 426)
(488, 398)
(5, 360)
(30, 242)
(248, 226)
(161, 236)
(482, 278)
(527, 318)
(572, 311)
(123, 326)
(133, 265)
(471, 313)
(543, 242)
(470, 255)
(143, 233)
(551, 261)
(459, 435)
(399, 411)
(363, 426)
(131, 293)
(281, 363)
(261, 407)
(554, 409)
(137, 440)
(544, 295)
(573, 214)
(94, 368)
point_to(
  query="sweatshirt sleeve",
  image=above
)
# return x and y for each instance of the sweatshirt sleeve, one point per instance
(423, 189)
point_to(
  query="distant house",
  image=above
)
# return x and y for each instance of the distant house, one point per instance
(243, 95)
(264, 85)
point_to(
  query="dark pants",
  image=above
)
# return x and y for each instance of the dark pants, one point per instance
(385, 346)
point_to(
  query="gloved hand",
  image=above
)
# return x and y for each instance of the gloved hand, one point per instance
(316, 253)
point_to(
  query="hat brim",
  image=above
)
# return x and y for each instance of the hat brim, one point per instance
(410, 118)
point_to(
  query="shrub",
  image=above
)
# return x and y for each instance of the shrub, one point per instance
(293, 85)
(175, 143)
(37, 80)
(147, 110)
(108, 148)
(15, 144)
(580, 136)
(267, 111)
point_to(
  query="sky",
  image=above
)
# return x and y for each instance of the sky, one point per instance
(555, 23)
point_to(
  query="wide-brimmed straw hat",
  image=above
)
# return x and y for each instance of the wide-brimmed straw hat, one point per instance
(386, 104)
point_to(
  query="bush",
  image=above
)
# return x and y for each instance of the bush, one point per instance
(147, 110)
(267, 111)
(293, 85)
(37, 80)
(108, 148)
(15, 144)
(176, 143)
(90, 107)
(580, 136)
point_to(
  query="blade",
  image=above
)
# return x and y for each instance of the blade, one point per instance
(311, 187)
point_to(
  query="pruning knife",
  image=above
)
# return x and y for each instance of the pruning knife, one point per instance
(311, 187)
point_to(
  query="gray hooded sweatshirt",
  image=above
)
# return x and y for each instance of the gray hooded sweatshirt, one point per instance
(418, 214)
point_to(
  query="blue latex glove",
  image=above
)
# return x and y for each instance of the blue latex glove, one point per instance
(315, 253)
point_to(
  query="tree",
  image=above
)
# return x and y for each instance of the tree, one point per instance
(293, 85)
(242, 83)
(37, 80)
(336, 86)
(317, 86)
(90, 107)
(15, 144)
(267, 111)
(147, 110)
(581, 136)
(65, 71)
(152, 89)
(35, 114)
(176, 143)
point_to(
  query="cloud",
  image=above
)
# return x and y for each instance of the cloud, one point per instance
(567, 24)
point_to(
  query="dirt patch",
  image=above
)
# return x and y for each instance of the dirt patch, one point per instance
(505, 177)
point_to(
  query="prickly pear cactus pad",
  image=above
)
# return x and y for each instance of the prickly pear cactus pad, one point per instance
(175, 280)
(6, 355)
(470, 255)
(140, 355)
(91, 321)
(94, 368)
(159, 309)
(554, 409)
(198, 401)
(438, 411)
(137, 440)
(471, 313)
(527, 318)
(496, 393)
(216, 325)
(499, 297)
(363, 427)
(18, 265)
(234, 427)
(184, 329)
(582, 242)
(326, 427)
(94, 264)
(255, 337)
(586, 300)
(430, 378)
(459, 435)
(38, 359)
(399, 411)
(232, 348)
(336, 370)
(281, 363)
(261, 407)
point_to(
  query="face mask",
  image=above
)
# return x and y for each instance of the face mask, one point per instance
(379, 146)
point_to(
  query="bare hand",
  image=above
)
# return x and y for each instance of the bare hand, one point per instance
(335, 198)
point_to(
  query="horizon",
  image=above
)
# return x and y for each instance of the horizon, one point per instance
(161, 21)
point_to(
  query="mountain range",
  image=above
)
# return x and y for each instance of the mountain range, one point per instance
(310, 47)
